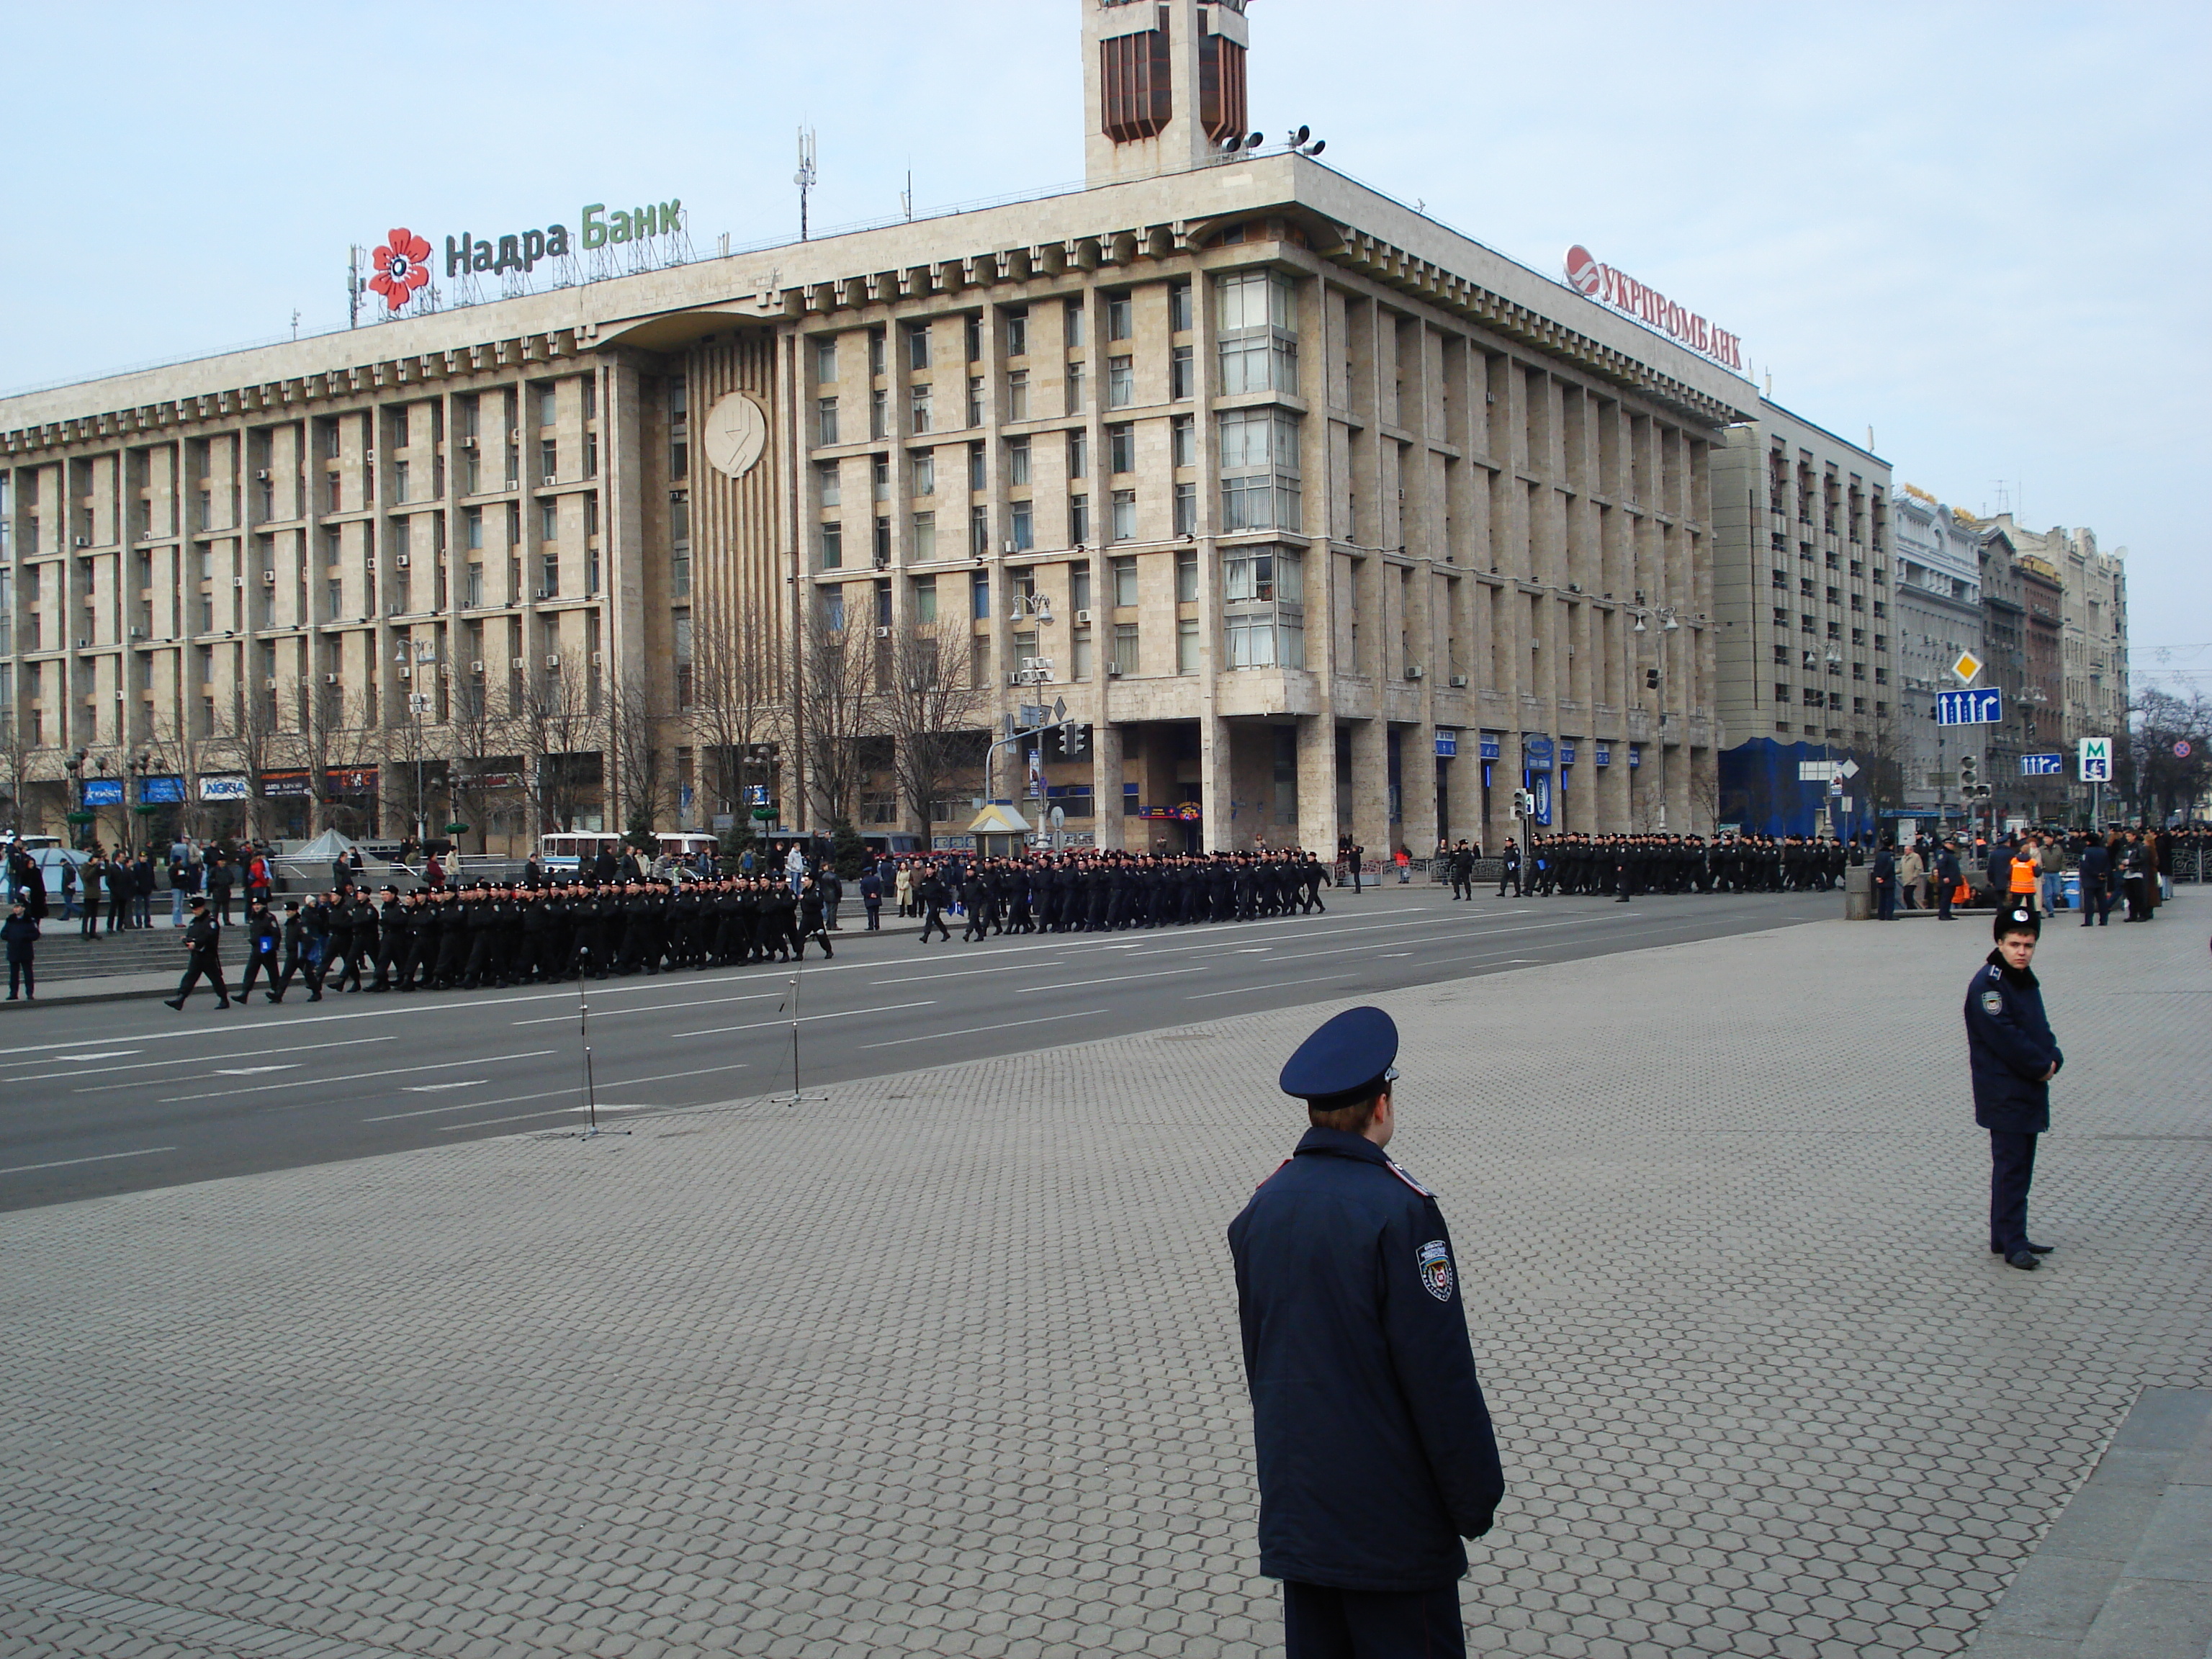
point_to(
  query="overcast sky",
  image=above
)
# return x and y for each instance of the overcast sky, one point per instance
(1979, 230)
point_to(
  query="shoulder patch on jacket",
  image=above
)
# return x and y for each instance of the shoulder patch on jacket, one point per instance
(1993, 1003)
(1398, 1171)
(1434, 1261)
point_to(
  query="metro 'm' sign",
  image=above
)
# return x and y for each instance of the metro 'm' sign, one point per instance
(1608, 286)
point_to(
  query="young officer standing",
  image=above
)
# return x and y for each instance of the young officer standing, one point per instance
(2014, 1057)
(1375, 1451)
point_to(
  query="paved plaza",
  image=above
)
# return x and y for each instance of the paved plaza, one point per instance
(946, 1363)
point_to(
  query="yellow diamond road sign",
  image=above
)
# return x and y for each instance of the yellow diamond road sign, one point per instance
(1967, 667)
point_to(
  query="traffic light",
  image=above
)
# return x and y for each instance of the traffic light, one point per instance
(1969, 773)
(1074, 740)
(1524, 804)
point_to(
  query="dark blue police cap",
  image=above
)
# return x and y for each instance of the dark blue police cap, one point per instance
(1344, 1060)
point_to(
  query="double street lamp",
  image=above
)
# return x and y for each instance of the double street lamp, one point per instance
(1655, 681)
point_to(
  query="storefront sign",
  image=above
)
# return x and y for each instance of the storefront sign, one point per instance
(1536, 754)
(1490, 746)
(1187, 811)
(1624, 294)
(281, 786)
(1604, 755)
(1447, 745)
(163, 790)
(224, 785)
(352, 780)
(103, 792)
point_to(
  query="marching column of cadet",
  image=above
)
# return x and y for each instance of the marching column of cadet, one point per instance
(465, 937)
(1625, 866)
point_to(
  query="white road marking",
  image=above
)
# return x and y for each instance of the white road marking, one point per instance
(433, 1088)
(1272, 985)
(186, 1060)
(539, 1094)
(970, 1031)
(770, 1024)
(353, 1077)
(1111, 979)
(105, 1054)
(97, 1157)
(255, 1070)
(650, 1008)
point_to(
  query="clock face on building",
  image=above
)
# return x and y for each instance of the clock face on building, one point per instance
(736, 433)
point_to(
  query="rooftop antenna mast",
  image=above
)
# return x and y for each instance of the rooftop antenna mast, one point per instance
(353, 285)
(805, 175)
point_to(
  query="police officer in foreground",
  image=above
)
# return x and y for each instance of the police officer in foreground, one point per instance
(1374, 1446)
(2014, 1056)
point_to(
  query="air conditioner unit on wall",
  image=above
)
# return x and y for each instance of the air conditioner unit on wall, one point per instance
(476, 668)
(553, 661)
(1083, 619)
(269, 578)
(1459, 680)
(400, 559)
(261, 475)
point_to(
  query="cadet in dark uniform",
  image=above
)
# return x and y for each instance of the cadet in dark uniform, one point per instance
(2014, 1057)
(204, 940)
(1375, 1451)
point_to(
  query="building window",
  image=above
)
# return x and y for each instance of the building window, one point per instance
(1182, 373)
(879, 412)
(1265, 639)
(1079, 519)
(679, 573)
(979, 595)
(923, 471)
(1121, 448)
(925, 599)
(923, 536)
(1124, 571)
(918, 409)
(1184, 431)
(876, 351)
(917, 345)
(879, 477)
(826, 484)
(1263, 575)
(1186, 645)
(825, 360)
(979, 533)
(883, 543)
(1078, 652)
(1021, 523)
(975, 401)
(1017, 333)
(1017, 461)
(1018, 394)
(1260, 487)
(1075, 389)
(1120, 382)
(1120, 317)
(1078, 584)
(1258, 339)
(1078, 454)
(972, 338)
(1070, 314)
(825, 421)
(974, 466)
(1179, 319)
(1185, 509)
(1125, 648)
(549, 566)
(833, 545)
(1186, 576)
(1124, 515)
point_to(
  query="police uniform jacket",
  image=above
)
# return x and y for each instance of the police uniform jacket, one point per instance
(1374, 1450)
(2010, 1046)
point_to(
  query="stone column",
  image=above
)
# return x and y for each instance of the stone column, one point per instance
(1416, 770)
(1317, 785)
(1217, 782)
(1106, 784)
(1370, 787)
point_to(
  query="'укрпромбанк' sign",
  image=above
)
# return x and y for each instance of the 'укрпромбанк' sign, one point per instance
(1588, 275)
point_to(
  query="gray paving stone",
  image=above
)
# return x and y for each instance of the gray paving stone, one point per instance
(958, 1373)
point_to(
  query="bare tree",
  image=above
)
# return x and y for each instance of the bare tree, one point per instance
(2166, 766)
(737, 706)
(478, 734)
(337, 734)
(935, 718)
(170, 747)
(644, 773)
(252, 742)
(833, 698)
(15, 766)
(556, 730)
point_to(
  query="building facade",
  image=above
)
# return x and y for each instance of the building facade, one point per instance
(1806, 663)
(1307, 517)
(1938, 595)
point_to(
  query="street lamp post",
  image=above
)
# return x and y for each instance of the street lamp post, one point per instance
(1655, 683)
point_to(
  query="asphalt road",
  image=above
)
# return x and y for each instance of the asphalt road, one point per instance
(125, 1096)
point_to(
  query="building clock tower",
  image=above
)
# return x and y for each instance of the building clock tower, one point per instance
(1164, 84)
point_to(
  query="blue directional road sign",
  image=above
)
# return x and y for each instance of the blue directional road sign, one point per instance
(2042, 766)
(1982, 708)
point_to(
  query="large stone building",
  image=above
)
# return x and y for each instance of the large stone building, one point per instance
(1807, 673)
(1938, 596)
(1316, 517)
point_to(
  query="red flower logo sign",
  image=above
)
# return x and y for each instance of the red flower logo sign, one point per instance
(400, 267)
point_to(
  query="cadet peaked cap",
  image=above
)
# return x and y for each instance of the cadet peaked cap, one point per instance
(1344, 1062)
(2017, 918)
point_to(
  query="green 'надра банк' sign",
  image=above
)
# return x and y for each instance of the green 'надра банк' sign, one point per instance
(522, 250)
